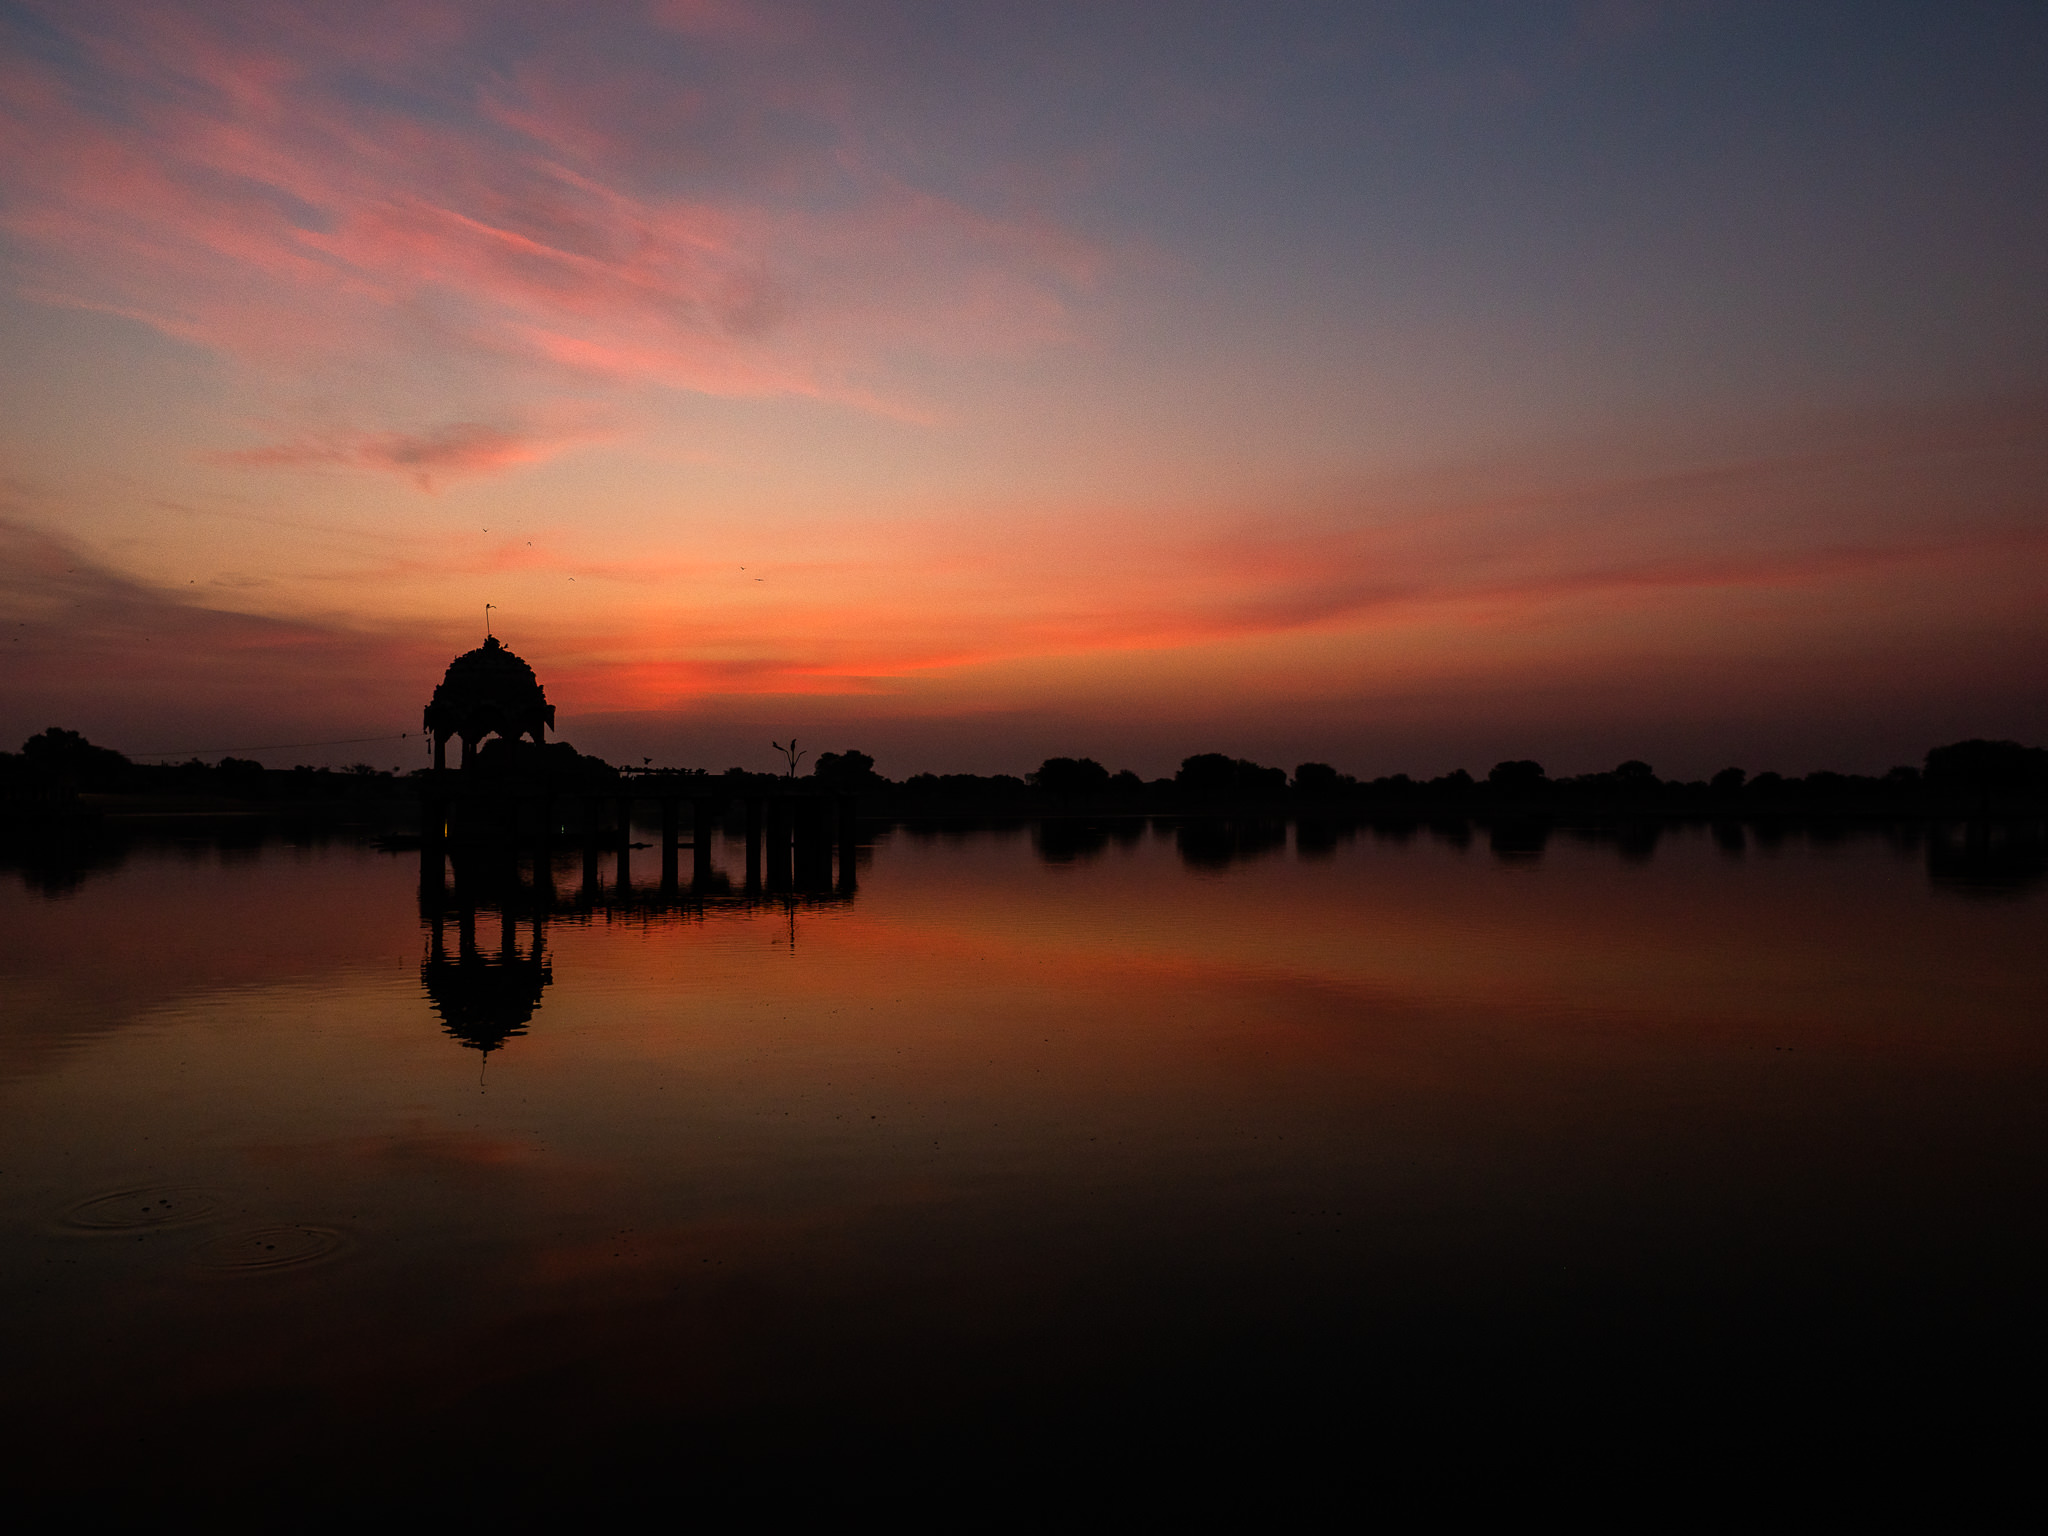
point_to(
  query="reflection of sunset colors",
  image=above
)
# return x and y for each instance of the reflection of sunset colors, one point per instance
(996, 1112)
(1373, 387)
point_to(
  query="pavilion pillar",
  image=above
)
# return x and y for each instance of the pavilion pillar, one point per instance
(671, 823)
(433, 875)
(544, 853)
(777, 849)
(755, 808)
(848, 850)
(807, 824)
(700, 841)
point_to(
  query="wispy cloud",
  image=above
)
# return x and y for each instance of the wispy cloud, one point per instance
(439, 454)
(296, 193)
(139, 666)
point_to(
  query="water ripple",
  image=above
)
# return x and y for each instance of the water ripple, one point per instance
(265, 1249)
(148, 1208)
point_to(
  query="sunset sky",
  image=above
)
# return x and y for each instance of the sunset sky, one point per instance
(1401, 386)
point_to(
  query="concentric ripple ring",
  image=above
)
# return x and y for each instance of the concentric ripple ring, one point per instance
(265, 1249)
(136, 1210)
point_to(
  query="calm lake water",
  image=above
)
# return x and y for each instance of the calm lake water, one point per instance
(1039, 1153)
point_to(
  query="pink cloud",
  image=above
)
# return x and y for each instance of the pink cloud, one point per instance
(292, 193)
(439, 454)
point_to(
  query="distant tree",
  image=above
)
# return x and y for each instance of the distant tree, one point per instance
(1979, 770)
(60, 755)
(1517, 774)
(1975, 766)
(1125, 784)
(1070, 778)
(1636, 774)
(240, 776)
(1727, 782)
(1215, 776)
(1317, 779)
(846, 770)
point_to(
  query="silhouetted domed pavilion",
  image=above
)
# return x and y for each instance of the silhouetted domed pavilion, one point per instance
(487, 692)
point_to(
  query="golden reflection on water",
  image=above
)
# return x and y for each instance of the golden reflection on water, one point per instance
(994, 1123)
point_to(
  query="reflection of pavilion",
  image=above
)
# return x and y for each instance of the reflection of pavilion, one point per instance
(485, 999)
(486, 995)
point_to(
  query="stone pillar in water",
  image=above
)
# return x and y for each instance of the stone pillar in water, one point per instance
(755, 809)
(701, 812)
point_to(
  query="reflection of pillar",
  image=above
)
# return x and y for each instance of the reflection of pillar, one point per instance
(508, 935)
(700, 841)
(465, 931)
(624, 883)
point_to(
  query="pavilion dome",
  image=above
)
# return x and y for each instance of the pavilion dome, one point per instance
(489, 691)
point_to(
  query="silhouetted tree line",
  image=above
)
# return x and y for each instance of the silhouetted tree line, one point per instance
(1970, 778)
(55, 767)
(1967, 778)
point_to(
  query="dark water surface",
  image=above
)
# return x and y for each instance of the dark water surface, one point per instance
(1039, 1159)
